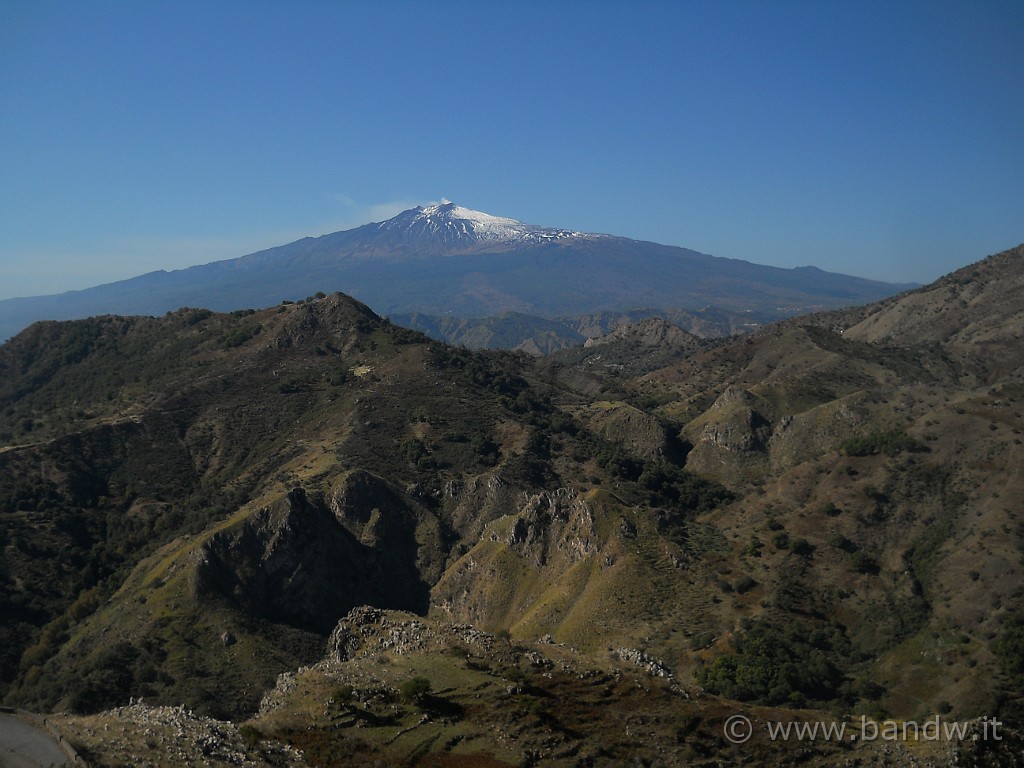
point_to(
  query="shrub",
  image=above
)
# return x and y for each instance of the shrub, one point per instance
(242, 334)
(839, 541)
(779, 663)
(801, 547)
(753, 548)
(342, 695)
(414, 691)
(864, 563)
(251, 736)
(745, 584)
(869, 690)
(413, 449)
(891, 443)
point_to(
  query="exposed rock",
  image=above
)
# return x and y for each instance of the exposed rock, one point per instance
(554, 522)
(284, 563)
(623, 424)
(652, 666)
(653, 332)
(146, 736)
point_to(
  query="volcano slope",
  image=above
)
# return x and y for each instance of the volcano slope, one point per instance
(823, 514)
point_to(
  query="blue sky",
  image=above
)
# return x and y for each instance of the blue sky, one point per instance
(882, 139)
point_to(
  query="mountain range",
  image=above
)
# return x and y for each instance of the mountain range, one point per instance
(336, 534)
(451, 263)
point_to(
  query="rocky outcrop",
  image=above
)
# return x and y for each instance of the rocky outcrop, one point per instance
(553, 523)
(653, 332)
(731, 435)
(649, 664)
(294, 562)
(398, 529)
(150, 736)
(644, 434)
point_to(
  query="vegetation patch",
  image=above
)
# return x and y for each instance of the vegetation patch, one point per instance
(778, 662)
(890, 442)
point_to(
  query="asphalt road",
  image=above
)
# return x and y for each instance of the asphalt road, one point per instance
(24, 745)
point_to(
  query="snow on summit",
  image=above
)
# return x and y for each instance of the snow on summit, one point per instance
(483, 225)
(452, 224)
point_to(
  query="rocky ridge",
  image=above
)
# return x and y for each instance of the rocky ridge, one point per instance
(146, 736)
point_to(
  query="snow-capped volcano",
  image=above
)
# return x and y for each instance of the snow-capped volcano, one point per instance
(452, 225)
(448, 260)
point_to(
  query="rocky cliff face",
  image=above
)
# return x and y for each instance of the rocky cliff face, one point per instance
(296, 563)
(731, 437)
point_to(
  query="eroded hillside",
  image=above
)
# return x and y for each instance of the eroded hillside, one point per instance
(205, 495)
(823, 514)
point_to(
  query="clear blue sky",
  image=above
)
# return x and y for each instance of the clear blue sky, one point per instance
(883, 139)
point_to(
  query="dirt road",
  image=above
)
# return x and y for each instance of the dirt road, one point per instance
(26, 745)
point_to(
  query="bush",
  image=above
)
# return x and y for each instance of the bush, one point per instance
(753, 548)
(1009, 651)
(839, 541)
(779, 663)
(413, 449)
(801, 547)
(414, 691)
(744, 585)
(869, 690)
(342, 695)
(864, 563)
(250, 736)
(891, 443)
(242, 334)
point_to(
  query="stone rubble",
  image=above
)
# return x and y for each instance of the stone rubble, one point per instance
(649, 664)
(146, 736)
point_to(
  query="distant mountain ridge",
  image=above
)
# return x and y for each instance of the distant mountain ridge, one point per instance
(447, 260)
(540, 335)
